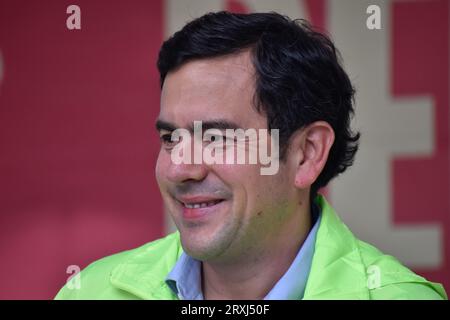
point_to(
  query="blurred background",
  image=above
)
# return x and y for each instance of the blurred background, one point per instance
(78, 145)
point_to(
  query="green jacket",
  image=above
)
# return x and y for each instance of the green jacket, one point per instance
(343, 267)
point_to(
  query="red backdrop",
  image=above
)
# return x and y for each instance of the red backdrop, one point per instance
(78, 147)
(77, 138)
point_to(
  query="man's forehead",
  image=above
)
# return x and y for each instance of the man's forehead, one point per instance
(226, 64)
(230, 73)
(221, 87)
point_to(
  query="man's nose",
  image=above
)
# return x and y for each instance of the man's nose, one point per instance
(178, 173)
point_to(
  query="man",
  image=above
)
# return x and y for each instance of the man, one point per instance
(243, 234)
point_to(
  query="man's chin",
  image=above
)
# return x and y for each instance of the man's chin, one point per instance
(202, 249)
(201, 254)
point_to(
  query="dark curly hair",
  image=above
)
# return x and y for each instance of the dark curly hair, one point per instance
(299, 77)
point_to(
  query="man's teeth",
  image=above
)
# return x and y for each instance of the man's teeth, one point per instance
(200, 205)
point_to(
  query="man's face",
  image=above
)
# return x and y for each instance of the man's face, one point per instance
(240, 210)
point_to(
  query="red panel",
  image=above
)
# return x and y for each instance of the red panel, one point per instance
(317, 13)
(236, 6)
(77, 144)
(420, 66)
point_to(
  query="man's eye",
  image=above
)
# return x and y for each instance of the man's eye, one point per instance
(166, 139)
(214, 137)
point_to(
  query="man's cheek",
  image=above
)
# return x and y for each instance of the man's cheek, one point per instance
(160, 168)
(237, 171)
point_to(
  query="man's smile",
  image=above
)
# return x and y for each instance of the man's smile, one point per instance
(199, 206)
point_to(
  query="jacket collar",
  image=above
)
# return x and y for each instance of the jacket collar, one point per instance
(337, 271)
(143, 272)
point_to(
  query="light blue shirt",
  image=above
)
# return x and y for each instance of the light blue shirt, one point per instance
(185, 277)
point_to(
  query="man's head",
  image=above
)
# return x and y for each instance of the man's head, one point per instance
(260, 71)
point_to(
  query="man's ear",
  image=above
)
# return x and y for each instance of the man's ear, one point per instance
(310, 148)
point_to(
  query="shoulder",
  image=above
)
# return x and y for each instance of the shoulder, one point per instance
(408, 291)
(94, 280)
(388, 278)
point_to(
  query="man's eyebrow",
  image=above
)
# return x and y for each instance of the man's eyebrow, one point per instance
(164, 125)
(220, 124)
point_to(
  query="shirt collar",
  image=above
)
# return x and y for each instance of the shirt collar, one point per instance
(291, 285)
(185, 277)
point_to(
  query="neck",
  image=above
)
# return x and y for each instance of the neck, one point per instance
(253, 276)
